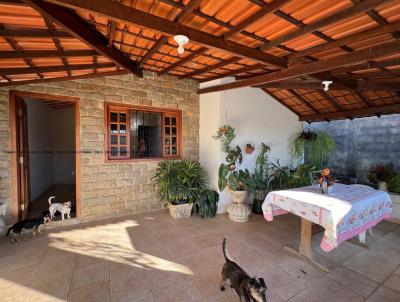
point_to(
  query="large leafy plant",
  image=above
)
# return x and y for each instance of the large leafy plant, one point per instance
(315, 147)
(380, 173)
(206, 203)
(240, 181)
(394, 184)
(180, 181)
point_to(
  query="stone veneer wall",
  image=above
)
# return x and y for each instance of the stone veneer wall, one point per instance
(111, 189)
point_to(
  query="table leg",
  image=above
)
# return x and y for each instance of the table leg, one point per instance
(305, 247)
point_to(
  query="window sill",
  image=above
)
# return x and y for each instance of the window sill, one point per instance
(146, 159)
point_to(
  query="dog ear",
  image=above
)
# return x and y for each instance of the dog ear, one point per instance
(262, 282)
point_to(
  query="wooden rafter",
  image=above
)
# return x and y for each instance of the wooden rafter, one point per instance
(43, 69)
(153, 49)
(35, 33)
(128, 15)
(375, 110)
(234, 72)
(210, 68)
(280, 101)
(184, 60)
(78, 28)
(319, 66)
(46, 54)
(304, 101)
(266, 9)
(331, 100)
(335, 18)
(189, 8)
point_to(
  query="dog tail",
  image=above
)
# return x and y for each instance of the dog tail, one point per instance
(8, 232)
(225, 251)
(50, 198)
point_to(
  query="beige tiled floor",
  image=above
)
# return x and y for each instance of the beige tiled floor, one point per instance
(151, 257)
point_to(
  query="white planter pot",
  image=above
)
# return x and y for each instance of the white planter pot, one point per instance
(383, 186)
(395, 206)
(180, 211)
(238, 210)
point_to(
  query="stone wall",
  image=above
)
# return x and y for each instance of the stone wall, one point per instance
(111, 189)
(362, 143)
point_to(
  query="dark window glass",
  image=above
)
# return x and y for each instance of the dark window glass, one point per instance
(122, 117)
(173, 121)
(122, 128)
(173, 131)
(123, 140)
(114, 140)
(145, 134)
(114, 117)
(114, 151)
(114, 128)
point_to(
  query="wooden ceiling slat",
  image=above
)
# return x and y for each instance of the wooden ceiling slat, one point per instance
(235, 72)
(153, 49)
(122, 13)
(335, 18)
(47, 54)
(43, 69)
(210, 68)
(78, 28)
(189, 8)
(304, 101)
(375, 110)
(186, 59)
(266, 9)
(319, 66)
(33, 32)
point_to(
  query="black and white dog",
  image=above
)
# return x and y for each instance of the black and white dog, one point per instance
(248, 289)
(29, 224)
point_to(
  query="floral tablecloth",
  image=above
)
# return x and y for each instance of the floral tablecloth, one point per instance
(344, 213)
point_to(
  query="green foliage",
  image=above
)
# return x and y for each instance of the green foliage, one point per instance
(394, 184)
(282, 177)
(234, 155)
(240, 181)
(261, 174)
(226, 134)
(380, 172)
(314, 146)
(206, 203)
(222, 176)
(180, 180)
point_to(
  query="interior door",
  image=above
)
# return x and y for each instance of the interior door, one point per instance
(22, 158)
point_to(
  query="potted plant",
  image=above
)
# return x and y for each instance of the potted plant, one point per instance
(179, 184)
(206, 203)
(239, 183)
(380, 174)
(314, 147)
(261, 178)
(394, 191)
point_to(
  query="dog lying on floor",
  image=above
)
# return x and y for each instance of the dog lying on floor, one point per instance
(248, 289)
(33, 224)
(63, 208)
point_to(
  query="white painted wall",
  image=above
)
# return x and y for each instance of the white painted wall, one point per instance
(39, 140)
(51, 133)
(63, 140)
(257, 118)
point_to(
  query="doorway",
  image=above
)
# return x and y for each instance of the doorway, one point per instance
(45, 138)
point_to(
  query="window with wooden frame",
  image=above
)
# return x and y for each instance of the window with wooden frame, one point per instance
(135, 132)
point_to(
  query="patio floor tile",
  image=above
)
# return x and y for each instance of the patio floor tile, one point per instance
(153, 258)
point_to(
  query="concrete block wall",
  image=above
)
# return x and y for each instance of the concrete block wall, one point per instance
(362, 143)
(111, 189)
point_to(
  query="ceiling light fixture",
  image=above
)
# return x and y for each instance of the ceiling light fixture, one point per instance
(181, 40)
(326, 84)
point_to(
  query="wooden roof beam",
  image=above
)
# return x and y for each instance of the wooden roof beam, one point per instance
(122, 13)
(47, 54)
(343, 41)
(189, 8)
(265, 9)
(152, 50)
(375, 110)
(210, 68)
(43, 69)
(331, 99)
(73, 24)
(234, 72)
(315, 67)
(335, 18)
(33, 33)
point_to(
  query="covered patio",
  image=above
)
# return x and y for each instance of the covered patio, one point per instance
(150, 257)
(275, 123)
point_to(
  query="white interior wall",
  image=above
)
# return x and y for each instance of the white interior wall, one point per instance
(257, 118)
(63, 143)
(51, 140)
(39, 140)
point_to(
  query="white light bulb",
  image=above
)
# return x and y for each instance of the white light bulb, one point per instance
(326, 85)
(181, 50)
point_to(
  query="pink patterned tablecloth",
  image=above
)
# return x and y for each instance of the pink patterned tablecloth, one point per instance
(344, 213)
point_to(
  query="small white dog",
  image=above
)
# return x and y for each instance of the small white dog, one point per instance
(63, 208)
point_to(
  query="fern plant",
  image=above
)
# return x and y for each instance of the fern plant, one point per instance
(315, 147)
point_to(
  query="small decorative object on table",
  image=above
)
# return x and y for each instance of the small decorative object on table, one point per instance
(326, 181)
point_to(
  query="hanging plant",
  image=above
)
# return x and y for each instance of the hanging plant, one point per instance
(314, 146)
(225, 135)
